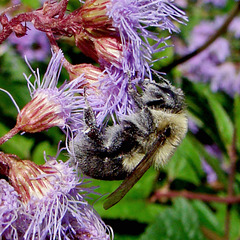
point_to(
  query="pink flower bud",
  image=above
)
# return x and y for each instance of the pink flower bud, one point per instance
(109, 50)
(52, 106)
(41, 113)
(27, 178)
(91, 73)
(94, 13)
(86, 45)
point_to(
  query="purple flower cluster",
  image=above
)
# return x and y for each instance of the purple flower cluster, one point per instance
(212, 65)
(46, 202)
(235, 27)
(125, 52)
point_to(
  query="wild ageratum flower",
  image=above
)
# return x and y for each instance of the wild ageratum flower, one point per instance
(122, 25)
(9, 206)
(212, 65)
(132, 19)
(52, 106)
(46, 202)
(119, 38)
(106, 91)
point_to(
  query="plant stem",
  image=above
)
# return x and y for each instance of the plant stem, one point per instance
(211, 235)
(9, 26)
(50, 18)
(232, 153)
(158, 195)
(9, 135)
(67, 65)
(218, 33)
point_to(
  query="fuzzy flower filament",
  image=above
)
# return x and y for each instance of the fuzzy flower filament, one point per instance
(9, 205)
(129, 20)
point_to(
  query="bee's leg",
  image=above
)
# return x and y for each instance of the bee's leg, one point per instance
(92, 130)
(135, 96)
(146, 119)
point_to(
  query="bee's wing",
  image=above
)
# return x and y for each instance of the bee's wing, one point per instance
(136, 174)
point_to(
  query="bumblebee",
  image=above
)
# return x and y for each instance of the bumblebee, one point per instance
(149, 136)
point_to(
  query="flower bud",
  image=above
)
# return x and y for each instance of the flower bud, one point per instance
(86, 45)
(27, 178)
(109, 50)
(94, 13)
(46, 202)
(91, 74)
(51, 105)
(105, 50)
(41, 113)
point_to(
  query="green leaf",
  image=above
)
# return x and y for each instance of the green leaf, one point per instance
(123, 237)
(134, 202)
(213, 162)
(237, 119)
(132, 209)
(141, 189)
(185, 163)
(45, 148)
(13, 81)
(220, 210)
(188, 149)
(32, 3)
(18, 145)
(223, 121)
(207, 217)
(176, 223)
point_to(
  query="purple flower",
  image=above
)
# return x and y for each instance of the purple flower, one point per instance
(211, 175)
(34, 45)
(52, 106)
(9, 206)
(235, 27)
(46, 202)
(125, 49)
(132, 19)
(217, 3)
(225, 79)
(192, 126)
(116, 99)
(215, 152)
(181, 3)
(210, 65)
(200, 35)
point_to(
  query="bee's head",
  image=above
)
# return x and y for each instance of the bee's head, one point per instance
(163, 96)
